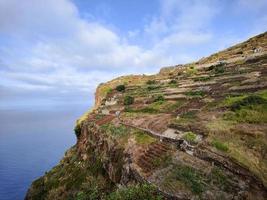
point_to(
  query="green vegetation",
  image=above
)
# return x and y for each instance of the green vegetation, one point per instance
(220, 146)
(128, 100)
(229, 100)
(247, 101)
(189, 115)
(246, 108)
(158, 98)
(143, 138)
(151, 82)
(219, 69)
(141, 110)
(77, 130)
(252, 114)
(191, 71)
(109, 90)
(104, 90)
(195, 93)
(202, 78)
(113, 130)
(263, 94)
(152, 87)
(162, 161)
(73, 178)
(159, 106)
(220, 179)
(190, 177)
(136, 192)
(172, 82)
(120, 88)
(190, 137)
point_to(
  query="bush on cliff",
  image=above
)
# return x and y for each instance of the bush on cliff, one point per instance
(77, 130)
(128, 100)
(120, 88)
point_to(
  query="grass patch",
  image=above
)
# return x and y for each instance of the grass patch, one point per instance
(220, 179)
(228, 101)
(190, 177)
(190, 114)
(196, 93)
(190, 71)
(220, 146)
(157, 107)
(246, 108)
(263, 94)
(113, 130)
(143, 138)
(152, 87)
(247, 101)
(190, 137)
(142, 110)
(162, 161)
(252, 114)
(151, 82)
(203, 78)
(159, 98)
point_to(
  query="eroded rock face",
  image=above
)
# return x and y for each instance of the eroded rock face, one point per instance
(102, 147)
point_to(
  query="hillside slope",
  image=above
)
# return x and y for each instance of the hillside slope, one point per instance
(194, 131)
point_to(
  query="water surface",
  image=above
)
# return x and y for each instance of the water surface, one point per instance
(32, 141)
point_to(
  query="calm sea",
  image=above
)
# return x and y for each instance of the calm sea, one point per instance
(32, 141)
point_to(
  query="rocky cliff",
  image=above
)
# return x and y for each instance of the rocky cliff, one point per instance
(194, 131)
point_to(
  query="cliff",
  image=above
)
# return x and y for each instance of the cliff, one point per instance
(194, 131)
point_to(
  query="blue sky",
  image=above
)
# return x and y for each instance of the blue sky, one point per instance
(57, 51)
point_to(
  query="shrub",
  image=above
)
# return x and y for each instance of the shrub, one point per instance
(152, 87)
(190, 114)
(252, 114)
(248, 101)
(128, 100)
(120, 88)
(159, 98)
(173, 82)
(151, 82)
(143, 138)
(195, 93)
(77, 130)
(219, 69)
(191, 71)
(109, 90)
(190, 137)
(111, 129)
(203, 78)
(220, 146)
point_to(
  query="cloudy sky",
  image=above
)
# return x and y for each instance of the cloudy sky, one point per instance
(57, 51)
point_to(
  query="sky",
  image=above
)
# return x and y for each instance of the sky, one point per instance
(55, 52)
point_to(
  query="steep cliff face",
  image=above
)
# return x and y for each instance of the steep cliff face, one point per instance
(195, 131)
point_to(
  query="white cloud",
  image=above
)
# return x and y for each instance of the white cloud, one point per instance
(46, 45)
